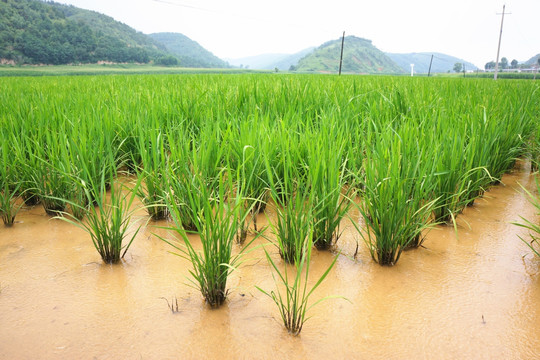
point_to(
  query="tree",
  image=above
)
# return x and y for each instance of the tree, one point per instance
(504, 63)
(514, 64)
(167, 60)
(458, 67)
(490, 65)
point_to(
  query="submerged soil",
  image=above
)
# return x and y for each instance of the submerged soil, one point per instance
(471, 296)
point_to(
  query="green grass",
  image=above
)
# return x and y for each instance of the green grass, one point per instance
(111, 69)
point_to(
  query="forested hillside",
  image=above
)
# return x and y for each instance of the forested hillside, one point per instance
(37, 32)
(359, 56)
(534, 60)
(189, 52)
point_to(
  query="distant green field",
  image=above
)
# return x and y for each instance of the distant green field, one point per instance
(106, 69)
(145, 69)
(483, 75)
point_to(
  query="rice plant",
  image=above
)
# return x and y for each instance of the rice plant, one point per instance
(534, 149)
(26, 162)
(450, 182)
(92, 158)
(326, 177)
(8, 186)
(508, 131)
(92, 152)
(79, 201)
(8, 206)
(478, 153)
(208, 154)
(393, 204)
(292, 292)
(180, 183)
(294, 206)
(51, 178)
(129, 156)
(108, 222)
(534, 228)
(216, 217)
(245, 149)
(151, 150)
(8, 195)
(100, 205)
(250, 183)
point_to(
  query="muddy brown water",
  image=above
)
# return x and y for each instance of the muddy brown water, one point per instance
(474, 296)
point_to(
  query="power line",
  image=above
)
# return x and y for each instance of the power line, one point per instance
(185, 5)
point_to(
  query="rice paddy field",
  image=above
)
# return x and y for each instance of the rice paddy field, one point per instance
(269, 216)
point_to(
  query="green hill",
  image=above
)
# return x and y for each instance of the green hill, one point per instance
(189, 52)
(533, 60)
(38, 32)
(359, 56)
(441, 62)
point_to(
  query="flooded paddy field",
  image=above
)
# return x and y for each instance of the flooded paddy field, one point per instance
(392, 160)
(471, 296)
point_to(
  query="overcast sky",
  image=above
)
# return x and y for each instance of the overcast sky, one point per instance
(468, 29)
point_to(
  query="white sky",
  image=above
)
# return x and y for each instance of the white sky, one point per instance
(468, 29)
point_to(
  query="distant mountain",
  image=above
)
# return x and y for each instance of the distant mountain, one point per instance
(33, 31)
(533, 60)
(263, 61)
(359, 56)
(189, 52)
(271, 61)
(441, 62)
(291, 60)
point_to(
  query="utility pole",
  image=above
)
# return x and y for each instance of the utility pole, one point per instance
(499, 47)
(341, 57)
(430, 62)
